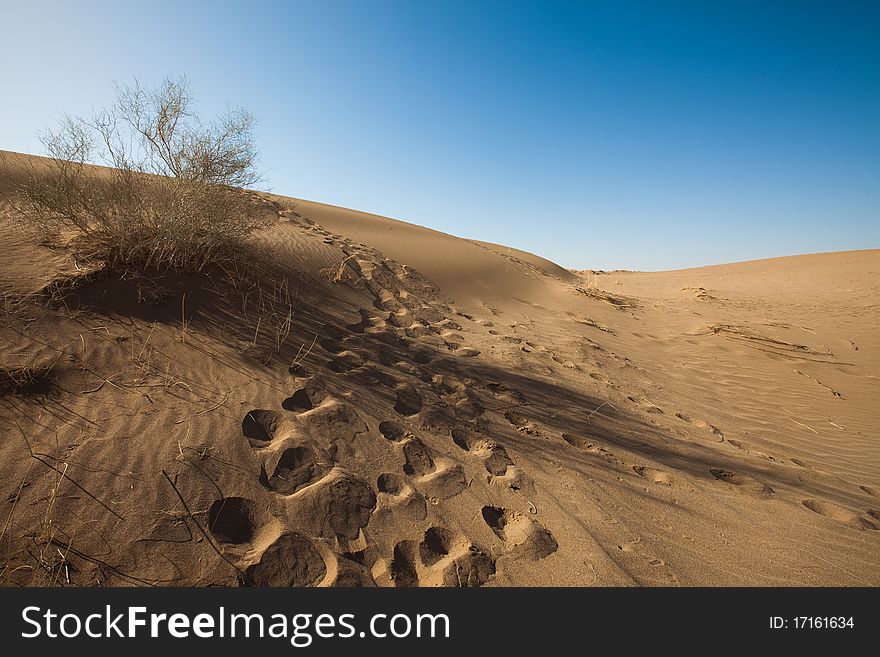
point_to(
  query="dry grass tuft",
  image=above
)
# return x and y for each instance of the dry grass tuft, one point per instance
(25, 378)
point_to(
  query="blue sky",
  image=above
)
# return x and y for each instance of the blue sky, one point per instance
(639, 135)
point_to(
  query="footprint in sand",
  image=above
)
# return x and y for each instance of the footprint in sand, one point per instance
(409, 401)
(453, 561)
(422, 357)
(345, 361)
(840, 513)
(714, 431)
(449, 325)
(447, 385)
(268, 555)
(494, 456)
(503, 393)
(368, 320)
(413, 371)
(396, 494)
(442, 558)
(646, 406)
(322, 500)
(466, 409)
(336, 508)
(298, 467)
(501, 468)
(298, 402)
(565, 362)
(521, 535)
(440, 480)
(417, 329)
(236, 520)
(438, 543)
(260, 425)
(403, 564)
(579, 442)
(389, 483)
(371, 376)
(522, 423)
(751, 450)
(334, 332)
(331, 345)
(744, 483)
(452, 337)
(418, 459)
(654, 475)
(436, 418)
(393, 430)
(463, 438)
(590, 447)
(290, 560)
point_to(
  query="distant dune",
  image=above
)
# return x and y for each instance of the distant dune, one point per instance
(395, 406)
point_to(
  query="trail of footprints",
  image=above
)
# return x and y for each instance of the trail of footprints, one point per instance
(387, 281)
(320, 504)
(742, 483)
(327, 542)
(442, 557)
(436, 477)
(412, 305)
(315, 534)
(416, 310)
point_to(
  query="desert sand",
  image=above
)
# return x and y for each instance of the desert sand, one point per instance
(395, 406)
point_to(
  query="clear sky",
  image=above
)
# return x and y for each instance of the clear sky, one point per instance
(639, 135)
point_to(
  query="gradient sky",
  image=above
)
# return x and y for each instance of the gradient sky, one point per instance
(638, 135)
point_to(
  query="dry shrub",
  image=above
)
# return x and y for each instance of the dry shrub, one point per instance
(173, 196)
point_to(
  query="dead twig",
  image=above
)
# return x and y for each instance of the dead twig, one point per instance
(802, 424)
(833, 391)
(216, 406)
(599, 407)
(199, 525)
(67, 476)
(39, 457)
(15, 501)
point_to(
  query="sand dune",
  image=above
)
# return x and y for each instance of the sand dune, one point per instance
(399, 407)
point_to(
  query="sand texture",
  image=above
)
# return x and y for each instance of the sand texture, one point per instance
(400, 407)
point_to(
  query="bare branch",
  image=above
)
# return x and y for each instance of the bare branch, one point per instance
(175, 195)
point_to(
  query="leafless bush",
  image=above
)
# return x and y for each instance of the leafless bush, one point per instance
(174, 196)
